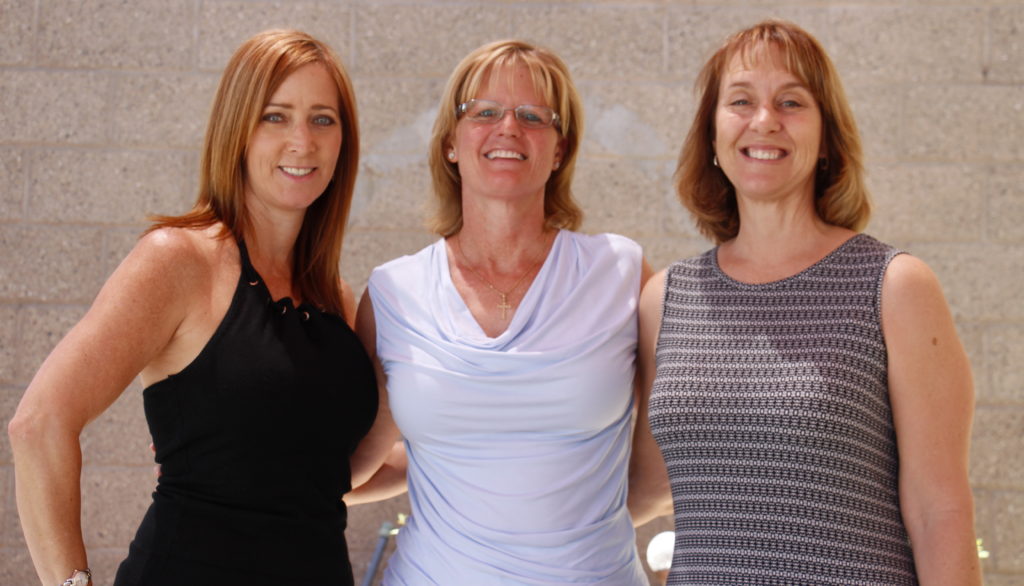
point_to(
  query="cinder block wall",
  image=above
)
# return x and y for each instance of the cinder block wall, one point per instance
(103, 106)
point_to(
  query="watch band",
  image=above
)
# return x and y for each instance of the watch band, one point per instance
(78, 578)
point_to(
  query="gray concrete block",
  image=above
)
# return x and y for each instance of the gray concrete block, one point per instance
(11, 535)
(146, 34)
(997, 462)
(16, 566)
(995, 579)
(120, 436)
(394, 193)
(17, 32)
(14, 179)
(50, 263)
(677, 222)
(10, 395)
(10, 317)
(114, 500)
(974, 123)
(1004, 203)
(397, 115)
(913, 43)
(108, 187)
(55, 107)
(223, 26)
(7, 501)
(603, 42)
(390, 39)
(1003, 343)
(636, 119)
(162, 110)
(1005, 63)
(928, 202)
(878, 110)
(620, 195)
(972, 336)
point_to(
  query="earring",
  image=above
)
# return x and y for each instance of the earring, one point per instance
(451, 156)
(715, 160)
(557, 165)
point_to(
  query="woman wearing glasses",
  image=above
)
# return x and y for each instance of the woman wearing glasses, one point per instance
(508, 347)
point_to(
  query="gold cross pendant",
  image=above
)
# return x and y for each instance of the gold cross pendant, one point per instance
(504, 306)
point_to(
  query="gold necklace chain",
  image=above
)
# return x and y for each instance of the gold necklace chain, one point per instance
(503, 305)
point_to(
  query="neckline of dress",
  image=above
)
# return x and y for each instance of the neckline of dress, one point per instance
(253, 278)
(779, 282)
(517, 315)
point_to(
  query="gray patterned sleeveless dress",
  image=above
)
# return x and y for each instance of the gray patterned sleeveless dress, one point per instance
(771, 409)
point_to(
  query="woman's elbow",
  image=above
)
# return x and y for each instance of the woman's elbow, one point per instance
(34, 430)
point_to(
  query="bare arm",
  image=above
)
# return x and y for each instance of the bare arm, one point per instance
(387, 482)
(379, 444)
(650, 495)
(933, 403)
(132, 319)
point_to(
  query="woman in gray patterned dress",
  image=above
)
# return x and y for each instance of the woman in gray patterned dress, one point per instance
(808, 392)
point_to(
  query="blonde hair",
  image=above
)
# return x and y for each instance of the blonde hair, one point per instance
(253, 74)
(551, 77)
(840, 192)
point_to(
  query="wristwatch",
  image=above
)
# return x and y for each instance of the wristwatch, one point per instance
(79, 578)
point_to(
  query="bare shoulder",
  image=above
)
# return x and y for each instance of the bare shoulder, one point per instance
(183, 252)
(908, 270)
(176, 273)
(909, 283)
(914, 310)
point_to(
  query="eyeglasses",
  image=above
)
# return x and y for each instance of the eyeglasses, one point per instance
(490, 112)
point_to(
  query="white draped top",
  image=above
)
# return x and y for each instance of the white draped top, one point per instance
(518, 445)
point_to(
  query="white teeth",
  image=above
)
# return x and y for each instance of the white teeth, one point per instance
(764, 155)
(505, 155)
(297, 171)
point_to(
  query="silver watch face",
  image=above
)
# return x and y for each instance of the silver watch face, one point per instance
(79, 578)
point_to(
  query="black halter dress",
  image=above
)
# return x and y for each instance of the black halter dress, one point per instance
(253, 438)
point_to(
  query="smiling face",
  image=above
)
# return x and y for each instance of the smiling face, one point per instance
(292, 153)
(505, 159)
(768, 129)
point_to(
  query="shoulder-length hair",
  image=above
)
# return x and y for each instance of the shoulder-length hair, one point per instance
(253, 74)
(841, 196)
(551, 78)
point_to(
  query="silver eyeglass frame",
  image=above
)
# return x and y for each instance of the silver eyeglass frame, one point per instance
(463, 108)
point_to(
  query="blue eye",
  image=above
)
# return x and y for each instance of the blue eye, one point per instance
(487, 113)
(323, 120)
(273, 117)
(791, 104)
(530, 116)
